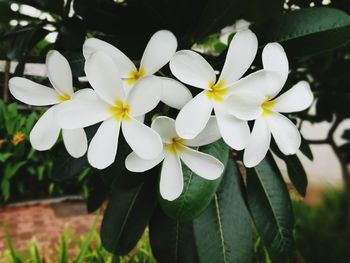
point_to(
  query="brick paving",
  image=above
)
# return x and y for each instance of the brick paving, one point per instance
(44, 221)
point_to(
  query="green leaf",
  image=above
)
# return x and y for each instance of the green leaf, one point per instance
(97, 192)
(223, 233)
(5, 156)
(305, 149)
(270, 207)
(129, 211)
(306, 31)
(172, 241)
(295, 169)
(71, 34)
(197, 192)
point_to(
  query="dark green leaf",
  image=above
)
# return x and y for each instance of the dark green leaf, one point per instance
(270, 207)
(172, 241)
(198, 192)
(306, 31)
(306, 150)
(97, 192)
(71, 34)
(296, 173)
(129, 211)
(223, 232)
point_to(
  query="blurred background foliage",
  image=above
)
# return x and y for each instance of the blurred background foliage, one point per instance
(316, 39)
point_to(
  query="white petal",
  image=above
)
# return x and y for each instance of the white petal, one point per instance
(171, 178)
(209, 134)
(32, 93)
(144, 96)
(191, 68)
(59, 72)
(240, 56)
(202, 164)
(84, 94)
(104, 77)
(75, 142)
(298, 98)
(79, 113)
(274, 58)
(45, 132)
(235, 132)
(103, 146)
(144, 141)
(193, 117)
(136, 164)
(258, 145)
(174, 94)
(165, 127)
(245, 105)
(285, 133)
(263, 81)
(159, 50)
(122, 62)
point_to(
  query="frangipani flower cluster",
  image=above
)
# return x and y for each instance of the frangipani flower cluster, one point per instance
(122, 94)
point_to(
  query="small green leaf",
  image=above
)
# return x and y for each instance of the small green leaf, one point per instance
(223, 233)
(270, 207)
(197, 192)
(172, 241)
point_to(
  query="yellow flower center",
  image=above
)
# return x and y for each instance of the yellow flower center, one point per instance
(217, 91)
(64, 97)
(135, 75)
(267, 106)
(120, 111)
(17, 138)
(175, 146)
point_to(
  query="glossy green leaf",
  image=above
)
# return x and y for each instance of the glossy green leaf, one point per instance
(129, 211)
(223, 232)
(270, 207)
(306, 150)
(306, 31)
(97, 192)
(197, 192)
(172, 241)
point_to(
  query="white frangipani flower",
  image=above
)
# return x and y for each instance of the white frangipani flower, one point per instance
(176, 150)
(265, 109)
(159, 50)
(108, 103)
(191, 68)
(46, 131)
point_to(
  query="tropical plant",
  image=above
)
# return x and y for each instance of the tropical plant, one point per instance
(211, 221)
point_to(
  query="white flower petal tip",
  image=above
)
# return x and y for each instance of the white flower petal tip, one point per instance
(202, 164)
(171, 178)
(234, 132)
(143, 140)
(192, 69)
(134, 163)
(159, 50)
(174, 93)
(75, 142)
(45, 132)
(103, 146)
(274, 58)
(240, 56)
(32, 93)
(285, 133)
(104, 77)
(121, 61)
(258, 145)
(193, 117)
(59, 73)
(298, 98)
